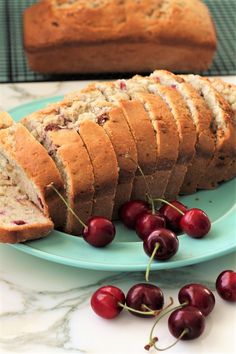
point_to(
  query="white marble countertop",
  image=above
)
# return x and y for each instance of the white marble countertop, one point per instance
(45, 307)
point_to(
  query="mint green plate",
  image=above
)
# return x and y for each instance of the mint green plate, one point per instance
(126, 252)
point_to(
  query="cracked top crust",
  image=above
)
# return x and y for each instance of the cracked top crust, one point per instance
(79, 21)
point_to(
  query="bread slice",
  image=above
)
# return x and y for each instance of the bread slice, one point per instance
(72, 160)
(24, 201)
(30, 167)
(201, 117)
(219, 168)
(20, 218)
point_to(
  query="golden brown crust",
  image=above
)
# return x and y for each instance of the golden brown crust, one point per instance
(38, 167)
(105, 167)
(24, 233)
(79, 175)
(119, 21)
(162, 26)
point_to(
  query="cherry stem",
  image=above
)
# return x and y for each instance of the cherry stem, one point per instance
(157, 245)
(185, 331)
(149, 312)
(149, 194)
(151, 344)
(68, 207)
(173, 206)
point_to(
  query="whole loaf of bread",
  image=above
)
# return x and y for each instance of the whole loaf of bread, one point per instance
(97, 36)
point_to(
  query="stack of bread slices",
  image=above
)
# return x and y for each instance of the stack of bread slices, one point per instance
(96, 145)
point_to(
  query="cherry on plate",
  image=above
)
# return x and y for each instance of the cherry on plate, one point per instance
(226, 285)
(130, 211)
(165, 242)
(172, 215)
(105, 301)
(148, 222)
(99, 231)
(195, 223)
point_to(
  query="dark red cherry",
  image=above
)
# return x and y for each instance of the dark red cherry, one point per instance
(167, 241)
(195, 223)
(130, 211)
(198, 296)
(172, 216)
(189, 319)
(99, 231)
(226, 285)
(105, 301)
(145, 297)
(148, 222)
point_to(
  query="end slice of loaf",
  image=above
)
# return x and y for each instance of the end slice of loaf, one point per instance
(20, 218)
(23, 207)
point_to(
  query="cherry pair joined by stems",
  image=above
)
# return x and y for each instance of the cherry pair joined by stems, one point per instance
(194, 222)
(143, 300)
(98, 232)
(187, 321)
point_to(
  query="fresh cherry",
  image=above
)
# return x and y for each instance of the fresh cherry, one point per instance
(148, 222)
(165, 242)
(145, 297)
(99, 231)
(198, 296)
(161, 244)
(186, 323)
(105, 301)
(172, 215)
(226, 285)
(130, 211)
(195, 223)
